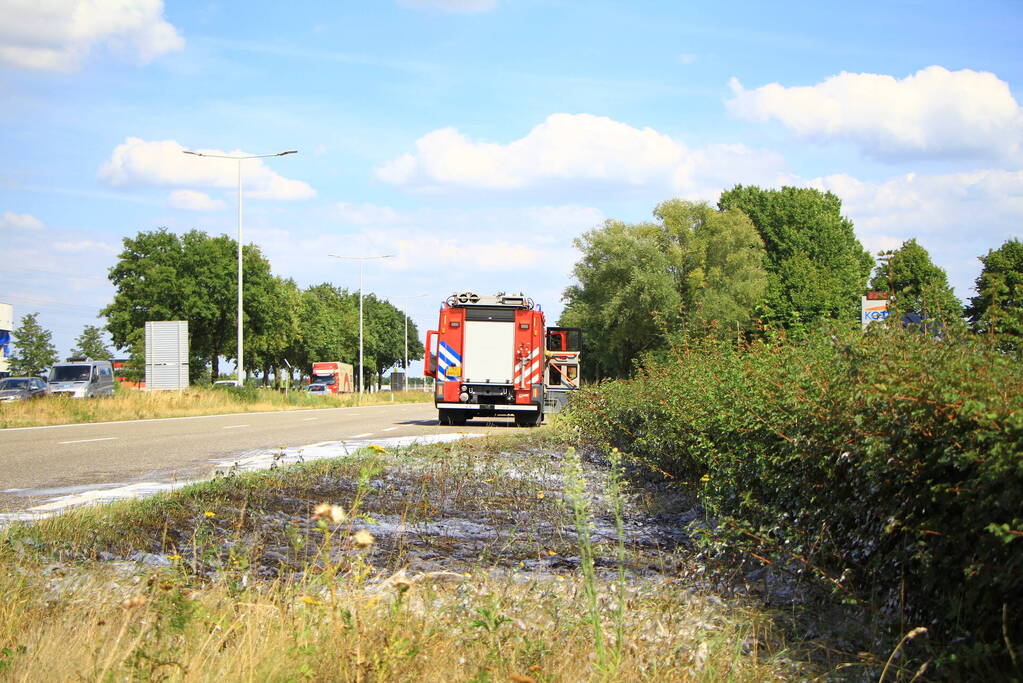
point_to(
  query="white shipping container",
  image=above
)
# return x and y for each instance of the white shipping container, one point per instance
(167, 354)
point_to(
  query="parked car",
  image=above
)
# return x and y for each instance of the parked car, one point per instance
(81, 378)
(318, 389)
(18, 388)
(225, 383)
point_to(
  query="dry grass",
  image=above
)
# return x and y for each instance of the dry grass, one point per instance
(105, 624)
(342, 608)
(132, 404)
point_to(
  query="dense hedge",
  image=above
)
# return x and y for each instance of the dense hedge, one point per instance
(889, 462)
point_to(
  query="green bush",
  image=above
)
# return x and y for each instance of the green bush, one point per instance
(889, 462)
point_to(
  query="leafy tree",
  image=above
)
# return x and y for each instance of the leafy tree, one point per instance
(90, 344)
(148, 285)
(385, 336)
(330, 327)
(626, 298)
(416, 350)
(817, 267)
(209, 291)
(33, 347)
(998, 307)
(917, 285)
(160, 276)
(717, 258)
(695, 266)
(276, 308)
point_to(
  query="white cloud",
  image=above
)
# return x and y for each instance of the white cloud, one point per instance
(462, 6)
(163, 163)
(57, 35)
(192, 200)
(580, 151)
(366, 214)
(20, 221)
(500, 255)
(956, 216)
(487, 250)
(85, 245)
(932, 113)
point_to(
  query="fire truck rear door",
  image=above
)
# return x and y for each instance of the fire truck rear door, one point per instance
(489, 352)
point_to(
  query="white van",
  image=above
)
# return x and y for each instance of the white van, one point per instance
(81, 378)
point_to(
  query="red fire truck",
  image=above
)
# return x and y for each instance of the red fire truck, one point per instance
(493, 355)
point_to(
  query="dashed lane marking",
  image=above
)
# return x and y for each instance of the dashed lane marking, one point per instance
(235, 426)
(361, 436)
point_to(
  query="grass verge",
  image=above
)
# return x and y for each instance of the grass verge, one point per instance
(457, 563)
(132, 404)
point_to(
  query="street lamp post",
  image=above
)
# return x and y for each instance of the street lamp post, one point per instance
(240, 159)
(360, 259)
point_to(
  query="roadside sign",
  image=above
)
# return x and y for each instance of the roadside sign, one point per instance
(167, 354)
(873, 308)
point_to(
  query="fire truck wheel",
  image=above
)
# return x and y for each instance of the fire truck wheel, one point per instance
(528, 419)
(451, 417)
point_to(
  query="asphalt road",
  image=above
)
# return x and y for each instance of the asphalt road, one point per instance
(37, 463)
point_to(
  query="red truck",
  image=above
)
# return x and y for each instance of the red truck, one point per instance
(336, 376)
(493, 355)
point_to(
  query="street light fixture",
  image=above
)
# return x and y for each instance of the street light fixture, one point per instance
(240, 159)
(360, 259)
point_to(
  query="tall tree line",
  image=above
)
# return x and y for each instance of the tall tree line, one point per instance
(784, 259)
(163, 276)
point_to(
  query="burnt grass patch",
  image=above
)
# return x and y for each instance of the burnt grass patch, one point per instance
(497, 505)
(454, 507)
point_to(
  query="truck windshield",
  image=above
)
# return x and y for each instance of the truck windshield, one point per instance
(70, 373)
(321, 379)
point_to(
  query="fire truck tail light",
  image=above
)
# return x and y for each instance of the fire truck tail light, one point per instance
(572, 371)
(535, 394)
(439, 390)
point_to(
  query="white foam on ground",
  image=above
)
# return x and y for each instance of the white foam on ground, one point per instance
(250, 463)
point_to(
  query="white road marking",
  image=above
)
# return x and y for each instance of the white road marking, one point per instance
(106, 438)
(390, 429)
(361, 436)
(308, 419)
(235, 426)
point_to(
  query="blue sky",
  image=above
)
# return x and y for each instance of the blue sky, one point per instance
(475, 139)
